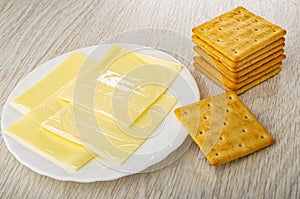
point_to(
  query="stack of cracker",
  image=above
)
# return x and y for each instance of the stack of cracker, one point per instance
(238, 49)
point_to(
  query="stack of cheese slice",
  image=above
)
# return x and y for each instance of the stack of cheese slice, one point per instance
(83, 109)
(238, 49)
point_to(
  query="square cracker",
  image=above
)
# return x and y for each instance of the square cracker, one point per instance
(254, 72)
(242, 89)
(238, 33)
(210, 52)
(246, 68)
(235, 86)
(224, 128)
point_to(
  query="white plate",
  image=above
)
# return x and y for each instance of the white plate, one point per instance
(154, 150)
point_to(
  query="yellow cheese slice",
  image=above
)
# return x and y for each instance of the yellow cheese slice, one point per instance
(52, 82)
(126, 87)
(85, 82)
(41, 105)
(40, 102)
(111, 142)
(28, 132)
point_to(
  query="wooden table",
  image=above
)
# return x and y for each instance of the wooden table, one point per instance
(32, 32)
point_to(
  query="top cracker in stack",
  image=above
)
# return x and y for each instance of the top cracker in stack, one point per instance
(238, 49)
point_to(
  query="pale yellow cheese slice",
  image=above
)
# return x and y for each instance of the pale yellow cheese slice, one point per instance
(28, 132)
(52, 82)
(104, 136)
(60, 150)
(126, 87)
(40, 102)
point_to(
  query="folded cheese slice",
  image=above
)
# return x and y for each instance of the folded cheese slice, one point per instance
(112, 143)
(127, 85)
(28, 132)
(52, 82)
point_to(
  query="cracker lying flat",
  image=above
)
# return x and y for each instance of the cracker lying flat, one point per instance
(236, 76)
(224, 128)
(238, 33)
(237, 66)
(242, 89)
(247, 78)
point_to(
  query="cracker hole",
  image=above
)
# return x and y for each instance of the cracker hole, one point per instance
(256, 29)
(201, 29)
(237, 28)
(217, 154)
(243, 130)
(224, 123)
(235, 52)
(205, 117)
(240, 145)
(262, 137)
(219, 28)
(230, 97)
(208, 105)
(256, 20)
(274, 30)
(200, 132)
(255, 40)
(239, 11)
(220, 138)
(246, 117)
(237, 40)
(227, 110)
(185, 112)
(218, 40)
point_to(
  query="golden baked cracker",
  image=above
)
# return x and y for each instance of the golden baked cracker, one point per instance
(238, 33)
(209, 52)
(253, 72)
(248, 67)
(235, 86)
(250, 70)
(225, 125)
(242, 89)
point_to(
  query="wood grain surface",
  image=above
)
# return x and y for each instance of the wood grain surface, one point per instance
(32, 32)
